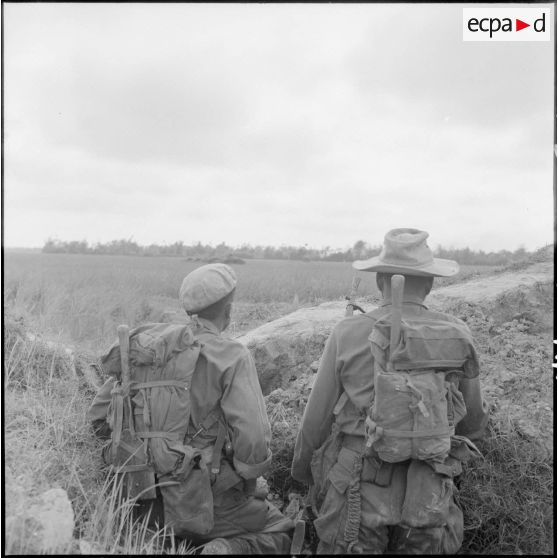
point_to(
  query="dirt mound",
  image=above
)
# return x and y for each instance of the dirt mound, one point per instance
(31, 360)
(284, 409)
(510, 315)
(526, 293)
(285, 348)
(516, 360)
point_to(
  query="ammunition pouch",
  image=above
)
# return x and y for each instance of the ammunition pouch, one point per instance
(323, 460)
(187, 496)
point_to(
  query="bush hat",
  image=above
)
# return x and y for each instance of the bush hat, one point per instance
(405, 251)
(206, 285)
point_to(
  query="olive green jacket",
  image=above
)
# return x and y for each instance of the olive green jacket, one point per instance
(225, 377)
(347, 366)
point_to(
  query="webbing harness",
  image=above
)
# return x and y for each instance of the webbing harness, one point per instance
(210, 420)
(375, 432)
(122, 400)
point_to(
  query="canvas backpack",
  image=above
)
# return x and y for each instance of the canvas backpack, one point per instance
(416, 402)
(149, 416)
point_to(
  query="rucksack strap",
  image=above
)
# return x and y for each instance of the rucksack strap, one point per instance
(375, 432)
(209, 421)
(218, 448)
(213, 417)
(341, 402)
(159, 383)
(159, 434)
(143, 386)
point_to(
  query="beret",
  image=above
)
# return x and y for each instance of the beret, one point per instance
(206, 285)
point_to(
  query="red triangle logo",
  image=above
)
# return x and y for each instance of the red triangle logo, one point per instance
(519, 25)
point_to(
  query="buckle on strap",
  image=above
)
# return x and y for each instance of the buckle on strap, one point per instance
(341, 402)
(159, 383)
(372, 431)
(159, 434)
(209, 421)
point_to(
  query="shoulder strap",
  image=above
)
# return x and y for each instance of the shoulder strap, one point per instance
(213, 417)
(208, 422)
(341, 402)
(218, 448)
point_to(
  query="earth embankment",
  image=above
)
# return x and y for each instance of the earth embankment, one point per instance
(510, 314)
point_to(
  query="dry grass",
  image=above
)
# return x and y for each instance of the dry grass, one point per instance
(81, 299)
(49, 443)
(507, 498)
(114, 528)
(284, 416)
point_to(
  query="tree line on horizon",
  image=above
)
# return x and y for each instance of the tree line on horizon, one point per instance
(222, 252)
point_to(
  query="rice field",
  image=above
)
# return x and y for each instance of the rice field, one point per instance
(81, 298)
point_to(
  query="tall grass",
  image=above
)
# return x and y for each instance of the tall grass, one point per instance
(115, 528)
(49, 443)
(507, 498)
(82, 298)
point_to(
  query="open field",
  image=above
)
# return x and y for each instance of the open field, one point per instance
(78, 301)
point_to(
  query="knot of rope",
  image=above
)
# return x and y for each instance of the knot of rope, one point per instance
(352, 524)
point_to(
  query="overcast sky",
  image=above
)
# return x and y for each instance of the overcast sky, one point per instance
(273, 124)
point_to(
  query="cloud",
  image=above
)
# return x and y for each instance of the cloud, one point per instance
(418, 55)
(317, 124)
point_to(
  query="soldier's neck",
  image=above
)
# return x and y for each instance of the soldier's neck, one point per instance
(409, 295)
(407, 298)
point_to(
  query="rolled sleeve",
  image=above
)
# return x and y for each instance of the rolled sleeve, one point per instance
(318, 414)
(252, 471)
(243, 406)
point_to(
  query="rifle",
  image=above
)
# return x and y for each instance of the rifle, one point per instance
(351, 305)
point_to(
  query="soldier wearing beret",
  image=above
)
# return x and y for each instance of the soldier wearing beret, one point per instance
(225, 379)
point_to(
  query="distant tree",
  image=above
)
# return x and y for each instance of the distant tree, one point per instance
(52, 246)
(358, 249)
(206, 252)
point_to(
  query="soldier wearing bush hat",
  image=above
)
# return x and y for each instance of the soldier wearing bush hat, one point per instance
(365, 500)
(225, 381)
(405, 251)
